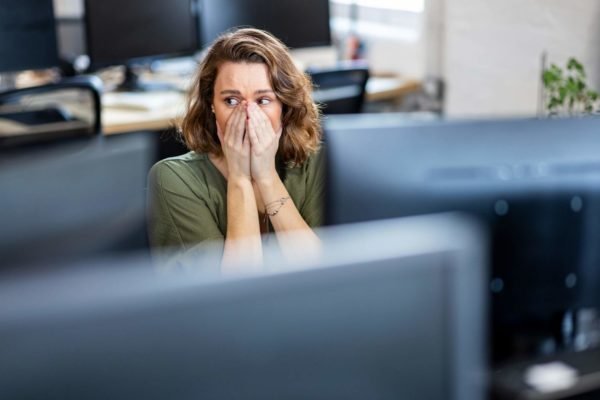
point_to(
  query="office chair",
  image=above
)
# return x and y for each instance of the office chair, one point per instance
(40, 116)
(341, 89)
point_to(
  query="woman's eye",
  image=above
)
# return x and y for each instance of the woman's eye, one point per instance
(264, 101)
(232, 101)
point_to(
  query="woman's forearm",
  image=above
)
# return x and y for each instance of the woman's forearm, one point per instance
(295, 236)
(243, 248)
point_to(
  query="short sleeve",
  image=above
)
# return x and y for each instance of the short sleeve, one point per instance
(312, 209)
(179, 215)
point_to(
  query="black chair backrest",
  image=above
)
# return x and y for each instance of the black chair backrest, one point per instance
(38, 116)
(341, 89)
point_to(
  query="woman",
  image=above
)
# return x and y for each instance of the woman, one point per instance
(254, 165)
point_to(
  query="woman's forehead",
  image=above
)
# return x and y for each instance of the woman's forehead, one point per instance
(234, 75)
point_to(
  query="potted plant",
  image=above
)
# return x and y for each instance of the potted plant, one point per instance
(566, 91)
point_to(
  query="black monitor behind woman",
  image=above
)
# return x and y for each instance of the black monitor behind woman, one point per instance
(254, 165)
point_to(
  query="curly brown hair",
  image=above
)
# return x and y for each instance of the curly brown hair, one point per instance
(301, 134)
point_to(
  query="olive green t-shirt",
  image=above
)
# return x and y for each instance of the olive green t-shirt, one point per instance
(188, 199)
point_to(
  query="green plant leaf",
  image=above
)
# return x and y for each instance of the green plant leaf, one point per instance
(573, 64)
(562, 94)
(549, 78)
(567, 90)
(556, 70)
(554, 102)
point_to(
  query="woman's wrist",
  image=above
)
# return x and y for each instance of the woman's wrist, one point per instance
(241, 181)
(267, 181)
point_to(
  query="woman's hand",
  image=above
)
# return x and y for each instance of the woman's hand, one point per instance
(264, 142)
(236, 145)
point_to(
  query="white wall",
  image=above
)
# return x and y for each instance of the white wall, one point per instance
(434, 27)
(492, 48)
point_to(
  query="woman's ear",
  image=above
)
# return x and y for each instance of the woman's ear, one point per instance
(212, 108)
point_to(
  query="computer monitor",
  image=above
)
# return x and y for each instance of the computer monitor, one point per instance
(138, 31)
(73, 202)
(27, 35)
(392, 310)
(297, 23)
(534, 183)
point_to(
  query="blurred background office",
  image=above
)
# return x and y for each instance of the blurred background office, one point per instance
(451, 105)
(455, 58)
(488, 56)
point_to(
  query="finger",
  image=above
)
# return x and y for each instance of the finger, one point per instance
(229, 125)
(237, 127)
(252, 134)
(254, 125)
(247, 143)
(243, 134)
(264, 118)
(258, 117)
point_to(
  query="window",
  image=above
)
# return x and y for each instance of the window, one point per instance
(398, 20)
(416, 6)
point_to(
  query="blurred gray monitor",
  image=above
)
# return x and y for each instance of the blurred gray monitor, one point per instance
(393, 310)
(73, 201)
(535, 183)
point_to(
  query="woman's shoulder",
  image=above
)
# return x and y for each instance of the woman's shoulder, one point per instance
(315, 160)
(183, 167)
(313, 165)
(189, 160)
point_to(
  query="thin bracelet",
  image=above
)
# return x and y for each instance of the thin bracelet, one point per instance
(278, 204)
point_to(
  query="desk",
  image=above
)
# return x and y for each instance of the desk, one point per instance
(390, 88)
(121, 119)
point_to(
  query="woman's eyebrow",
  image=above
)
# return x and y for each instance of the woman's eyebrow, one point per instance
(237, 92)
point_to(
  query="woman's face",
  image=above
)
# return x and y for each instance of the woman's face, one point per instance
(238, 82)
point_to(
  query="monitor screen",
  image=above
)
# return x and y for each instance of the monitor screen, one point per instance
(121, 32)
(27, 35)
(392, 310)
(73, 202)
(534, 183)
(297, 23)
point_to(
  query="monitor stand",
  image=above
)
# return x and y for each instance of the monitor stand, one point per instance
(133, 83)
